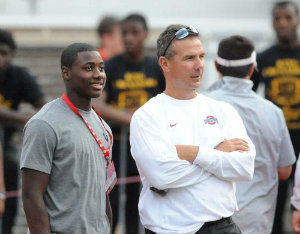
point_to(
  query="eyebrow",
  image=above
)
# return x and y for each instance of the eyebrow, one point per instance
(92, 63)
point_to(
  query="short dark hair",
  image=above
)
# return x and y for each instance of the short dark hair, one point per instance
(284, 4)
(165, 38)
(233, 48)
(7, 39)
(136, 18)
(106, 25)
(70, 53)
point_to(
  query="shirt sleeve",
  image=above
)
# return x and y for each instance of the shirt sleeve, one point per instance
(287, 155)
(232, 166)
(31, 91)
(39, 142)
(156, 157)
(295, 199)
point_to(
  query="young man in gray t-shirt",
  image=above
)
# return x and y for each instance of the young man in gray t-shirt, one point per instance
(66, 152)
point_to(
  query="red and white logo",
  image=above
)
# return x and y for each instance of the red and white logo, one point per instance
(172, 125)
(210, 120)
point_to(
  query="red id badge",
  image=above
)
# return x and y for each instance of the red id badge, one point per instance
(111, 178)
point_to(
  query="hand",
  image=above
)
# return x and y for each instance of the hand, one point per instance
(2, 207)
(231, 145)
(296, 221)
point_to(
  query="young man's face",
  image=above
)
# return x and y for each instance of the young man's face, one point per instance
(134, 35)
(6, 55)
(87, 78)
(187, 64)
(285, 23)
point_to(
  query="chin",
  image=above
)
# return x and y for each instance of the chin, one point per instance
(96, 95)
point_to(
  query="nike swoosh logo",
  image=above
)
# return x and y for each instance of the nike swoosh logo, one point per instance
(172, 125)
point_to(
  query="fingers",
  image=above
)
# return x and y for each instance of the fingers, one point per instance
(235, 144)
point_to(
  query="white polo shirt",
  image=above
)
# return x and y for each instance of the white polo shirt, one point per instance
(196, 193)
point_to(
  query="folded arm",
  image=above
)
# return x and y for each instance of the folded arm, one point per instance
(156, 156)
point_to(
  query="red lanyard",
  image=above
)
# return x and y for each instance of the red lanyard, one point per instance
(74, 109)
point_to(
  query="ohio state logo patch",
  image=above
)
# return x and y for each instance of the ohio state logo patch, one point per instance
(210, 120)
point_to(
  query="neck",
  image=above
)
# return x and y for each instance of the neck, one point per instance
(181, 95)
(79, 102)
(289, 44)
(134, 58)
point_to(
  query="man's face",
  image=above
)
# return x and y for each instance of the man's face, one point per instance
(134, 36)
(87, 78)
(187, 64)
(285, 23)
(6, 55)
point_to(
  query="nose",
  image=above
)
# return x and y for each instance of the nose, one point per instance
(128, 37)
(199, 63)
(98, 73)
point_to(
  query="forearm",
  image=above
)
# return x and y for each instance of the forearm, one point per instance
(187, 152)
(109, 213)
(12, 117)
(108, 112)
(2, 184)
(232, 165)
(284, 172)
(36, 214)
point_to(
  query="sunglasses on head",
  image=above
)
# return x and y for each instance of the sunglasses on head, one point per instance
(181, 34)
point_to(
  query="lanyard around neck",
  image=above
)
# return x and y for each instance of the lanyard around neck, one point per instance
(103, 149)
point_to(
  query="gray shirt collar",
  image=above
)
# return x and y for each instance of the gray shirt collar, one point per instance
(236, 84)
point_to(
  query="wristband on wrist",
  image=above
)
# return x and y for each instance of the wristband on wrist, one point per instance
(2, 195)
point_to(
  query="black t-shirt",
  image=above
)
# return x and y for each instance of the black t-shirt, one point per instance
(279, 70)
(18, 86)
(129, 85)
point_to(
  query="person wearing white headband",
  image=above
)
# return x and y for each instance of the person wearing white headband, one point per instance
(265, 126)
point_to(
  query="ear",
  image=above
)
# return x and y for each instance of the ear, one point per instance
(251, 70)
(65, 71)
(145, 35)
(216, 66)
(164, 63)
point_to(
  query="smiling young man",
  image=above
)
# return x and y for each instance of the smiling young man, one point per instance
(279, 71)
(66, 152)
(187, 146)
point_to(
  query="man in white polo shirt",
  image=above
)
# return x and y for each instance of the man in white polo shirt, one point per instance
(189, 149)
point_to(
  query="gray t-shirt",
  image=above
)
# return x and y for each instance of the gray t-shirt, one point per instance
(267, 129)
(57, 142)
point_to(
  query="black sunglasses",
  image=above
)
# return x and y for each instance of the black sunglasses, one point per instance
(180, 34)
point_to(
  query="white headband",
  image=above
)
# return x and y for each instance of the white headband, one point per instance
(238, 62)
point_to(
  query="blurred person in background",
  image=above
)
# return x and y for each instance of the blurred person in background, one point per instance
(295, 200)
(279, 71)
(132, 79)
(266, 127)
(16, 85)
(2, 185)
(109, 33)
